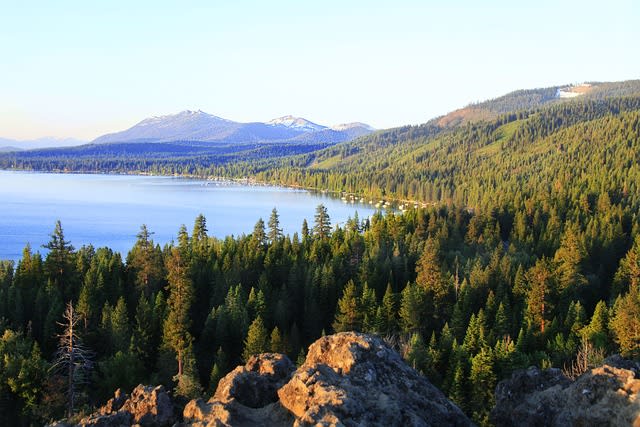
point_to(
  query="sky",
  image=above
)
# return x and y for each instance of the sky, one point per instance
(84, 68)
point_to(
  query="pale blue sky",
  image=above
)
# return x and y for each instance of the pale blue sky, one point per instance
(84, 68)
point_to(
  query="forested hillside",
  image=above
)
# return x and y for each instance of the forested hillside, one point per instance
(577, 147)
(526, 252)
(312, 159)
(466, 298)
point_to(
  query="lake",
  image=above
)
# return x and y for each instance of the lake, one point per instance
(108, 210)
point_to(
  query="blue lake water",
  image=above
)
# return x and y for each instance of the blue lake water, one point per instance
(108, 210)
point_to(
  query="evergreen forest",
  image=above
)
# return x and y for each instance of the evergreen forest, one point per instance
(520, 246)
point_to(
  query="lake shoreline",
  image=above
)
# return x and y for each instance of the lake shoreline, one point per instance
(243, 181)
(107, 209)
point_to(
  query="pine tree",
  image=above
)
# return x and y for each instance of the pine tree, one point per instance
(187, 383)
(122, 370)
(458, 391)
(218, 371)
(368, 306)
(86, 304)
(302, 356)
(120, 331)
(597, 332)
(475, 339)
(177, 323)
(142, 341)
(305, 231)
(625, 323)
(199, 238)
(505, 358)
(539, 297)
(569, 258)
(184, 243)
(257, 339)
(144, 263)
(276, 343)
(258, 237)
(430, 279)
(483, 382)
(322, 226)
(417, 355)
(411, 308)
(256, 304)
(389, 310)
(628, 274)
(23, 373)
(275, 232)
(348, 313)
(501, 322)
(59, 263)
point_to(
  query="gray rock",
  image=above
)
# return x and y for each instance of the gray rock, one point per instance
(347, 379)
(604, 396)
(146, 406)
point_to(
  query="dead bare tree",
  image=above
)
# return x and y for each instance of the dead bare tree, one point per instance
(73, 360)
(587, 357)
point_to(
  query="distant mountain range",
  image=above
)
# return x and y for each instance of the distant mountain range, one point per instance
(194, 142)
(32, 144)
(198, 126)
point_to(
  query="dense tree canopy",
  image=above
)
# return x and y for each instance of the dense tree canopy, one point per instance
(523, 244)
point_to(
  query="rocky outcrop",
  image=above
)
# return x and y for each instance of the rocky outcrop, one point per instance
(247, 396)
(146, 406)
(347, 379)
(604, 396)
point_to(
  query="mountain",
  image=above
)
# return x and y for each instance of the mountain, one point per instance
(296, 123)
(198, 126)
(438, 161)
(186, 125)
(528, 99)
(7, 144)
(8, 149)
(353, 125)
(191, 136)
(536, 141)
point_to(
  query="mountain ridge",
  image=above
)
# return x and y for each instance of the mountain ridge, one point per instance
(200, 126)
(354, 158)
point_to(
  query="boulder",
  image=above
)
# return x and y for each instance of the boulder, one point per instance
(356, 379)
(347, 379)
(247, 396)
(603, 396)
(146, 406)
(256, 384)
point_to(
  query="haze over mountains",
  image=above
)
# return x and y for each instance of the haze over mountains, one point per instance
(198, 126)
(194, 142)
(7, 144)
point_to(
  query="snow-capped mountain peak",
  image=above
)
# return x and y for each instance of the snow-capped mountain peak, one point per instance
(197, 125)
(186, 125)
(185, 116)
(347, 126)
(297, 123)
